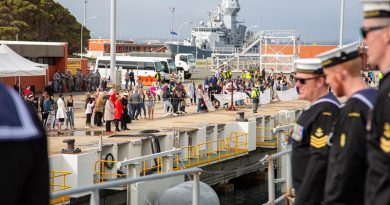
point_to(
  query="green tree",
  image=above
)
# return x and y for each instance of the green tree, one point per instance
(40, 20)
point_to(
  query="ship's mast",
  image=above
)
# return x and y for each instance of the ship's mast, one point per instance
(230, 9)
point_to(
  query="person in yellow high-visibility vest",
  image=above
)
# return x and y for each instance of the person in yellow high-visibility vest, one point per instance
(255, 95)
(157, 77)
(229, 74)
(380, 76)
(257, 75)
(224, 74)
(243, 74)
(248, 75)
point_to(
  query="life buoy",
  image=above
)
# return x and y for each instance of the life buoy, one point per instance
(109, 157)
(228, 89)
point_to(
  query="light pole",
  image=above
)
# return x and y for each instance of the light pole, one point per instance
(113, 44)
(82, 29)
(178, 34)
(173, 14)
(341, 22)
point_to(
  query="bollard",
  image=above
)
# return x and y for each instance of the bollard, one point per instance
(70, 149)
(241, 117)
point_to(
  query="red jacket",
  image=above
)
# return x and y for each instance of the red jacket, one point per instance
(118, 109)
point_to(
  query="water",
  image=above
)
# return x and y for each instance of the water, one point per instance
(250, 189)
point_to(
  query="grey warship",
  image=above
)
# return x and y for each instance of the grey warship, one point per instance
(222, 33)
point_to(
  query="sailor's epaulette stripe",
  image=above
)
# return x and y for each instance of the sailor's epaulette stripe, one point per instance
(385, 144)
(353, 114)
(318, 142)
(385, 139)
(343, 140)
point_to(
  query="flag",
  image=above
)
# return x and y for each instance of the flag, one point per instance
(173, 33)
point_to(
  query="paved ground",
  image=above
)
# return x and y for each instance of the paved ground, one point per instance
(88, 137)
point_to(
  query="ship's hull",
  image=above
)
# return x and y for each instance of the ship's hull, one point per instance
(200, 53)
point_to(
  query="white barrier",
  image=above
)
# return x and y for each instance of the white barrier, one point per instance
(225, 98)
(288, 95)
(265, 97)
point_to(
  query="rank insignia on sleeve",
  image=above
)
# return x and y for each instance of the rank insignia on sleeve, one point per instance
(385, 139)
(343, 139)
(327, 114)
(318, 140)
(353, 114)
(319, 132)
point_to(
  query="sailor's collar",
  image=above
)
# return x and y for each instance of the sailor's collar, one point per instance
(327, 98)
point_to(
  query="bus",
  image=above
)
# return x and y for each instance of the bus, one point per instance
(141, 66)
(168, 67)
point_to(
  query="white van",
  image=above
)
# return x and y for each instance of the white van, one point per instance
(185, 62)
(168, 66)
(141, 66)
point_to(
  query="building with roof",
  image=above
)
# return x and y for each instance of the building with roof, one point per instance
(54, 54)
(99, 47)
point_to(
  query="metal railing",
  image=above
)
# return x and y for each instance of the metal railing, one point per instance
(213, 151)
(58, 183)
(159, 161)
(94, 189)
(266, 141)
(100, 170)
(249, 44)
(272, 180)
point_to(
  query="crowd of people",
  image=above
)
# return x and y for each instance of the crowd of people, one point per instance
(66, 81)
(137, 101)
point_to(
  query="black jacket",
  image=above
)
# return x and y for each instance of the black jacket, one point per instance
(378, 149)
(347, 164)
(310, 150)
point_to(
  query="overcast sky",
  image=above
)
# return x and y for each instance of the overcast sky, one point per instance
(316, 20)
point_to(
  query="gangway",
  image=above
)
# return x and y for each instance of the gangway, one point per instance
(274, 50)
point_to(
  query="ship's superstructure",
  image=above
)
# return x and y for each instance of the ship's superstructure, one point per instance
(222, 30)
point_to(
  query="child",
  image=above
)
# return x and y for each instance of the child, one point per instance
(88, 112)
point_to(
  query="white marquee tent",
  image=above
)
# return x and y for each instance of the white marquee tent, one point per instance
(14, 65)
